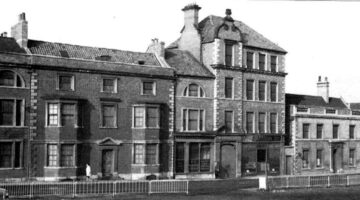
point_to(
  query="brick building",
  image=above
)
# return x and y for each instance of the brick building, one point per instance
(233, 117)
(322, 133)
(211, 104)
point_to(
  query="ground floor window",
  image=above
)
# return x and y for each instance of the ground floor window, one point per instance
(319, 158)
(10, 154)
(60, 155)
(145, 154)
(180, 158)
(352, 157)
(305, 158)
(198, 157)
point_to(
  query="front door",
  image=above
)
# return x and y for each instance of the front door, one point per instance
(289, 164)
(228, 161)
(262, 161)
(107, 162)
(337, 159)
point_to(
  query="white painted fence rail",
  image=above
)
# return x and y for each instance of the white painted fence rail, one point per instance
(83, 188)
(278, 182)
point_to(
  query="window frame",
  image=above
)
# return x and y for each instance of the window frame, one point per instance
(319, 163)
(353, 164)
(145, 116)
(153, 93)
(144, 154)
(317, 131)
(306, 135)
(115, 90)
(232, 121)
(307, 166)
(185, 119)
(13, 154)
(252, 122)
(59, 155)
(265, 91)
(200, 92)
(226, 89)
(72, 84)
(337, 131)
(259, 61)
(276, 122)
(14, 112)
(276, 92)
(17, 77)
(264, 125)
(231, 45)
(102, 104)
(252, 90)
(276, 63)
(59, 113)
(252, 59)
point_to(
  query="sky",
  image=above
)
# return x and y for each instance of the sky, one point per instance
(322, 38)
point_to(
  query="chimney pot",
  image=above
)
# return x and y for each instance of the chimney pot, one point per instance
(20, 31)
(319, 79)
(22, 17)
(323, 89)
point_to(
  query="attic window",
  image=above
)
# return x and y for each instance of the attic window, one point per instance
(302, 109)
(141, 62)
(355, 112)
(64, 54)
(330, 111)
(103, 58)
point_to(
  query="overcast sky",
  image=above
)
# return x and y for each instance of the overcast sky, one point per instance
(322, 38)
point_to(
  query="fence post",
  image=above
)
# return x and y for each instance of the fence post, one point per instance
(309, 183)
(149, 188)
(287, 182)
(187, 187)
(31, 189)
(328, 181)
(347, 180)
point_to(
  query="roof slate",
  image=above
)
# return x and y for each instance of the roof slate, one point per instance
(90, 53)
(209, 25)
(185, 64)
(9, 45)
(316, 101)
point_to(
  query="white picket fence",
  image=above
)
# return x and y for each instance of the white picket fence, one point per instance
(278, 182)
(82, 188)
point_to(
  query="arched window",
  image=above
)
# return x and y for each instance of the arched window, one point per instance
(194, 90)
(10, 79)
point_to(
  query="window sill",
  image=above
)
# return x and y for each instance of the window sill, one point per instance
(148, 94)
(10, 168)
(144, 165)
(108, 92)
(14, 87)
(193, 131)
(101, 127)
(14, 126)
(145, 128)
(58, 167)
(319, 168)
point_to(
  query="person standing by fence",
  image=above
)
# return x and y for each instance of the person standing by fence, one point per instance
(88, 172)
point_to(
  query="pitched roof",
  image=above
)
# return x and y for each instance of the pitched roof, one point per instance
(185, 64)
(208, 30)
(90, 53)
(316, 101)
(8, 44)
(355, 106)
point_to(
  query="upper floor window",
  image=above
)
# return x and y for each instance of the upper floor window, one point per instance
(273, 122)
(302, 109)
(11, 154)
(229, 54)
(11, 112)
(194, 90)
(66, 82)
(262, 61)
(335, 131)
(250, 60)
(351, 131)
(108, 115)
(228, 87)
(330, 111)
(319, 130)
(62, 114)
(10, 79)
(229, 118)
(109, 85)
(148, 88)
(250, 122)
(250, 89)
(193, 120)
(262, 89)
(306, 131)
(355, 112)
(146, 116)
(273, 92)
(273, 63)
(262, 125)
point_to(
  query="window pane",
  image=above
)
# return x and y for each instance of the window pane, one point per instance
(319, 159)
(109, 116)
(228, 54)
(319, 128)
(180, 155)
(18, 112)
(148, 88)
(67, 114)
(249, 60)
(139, 116)
(151, 154)
(53, 114)
(65, 82)
(228, 121)
(228, 87)
(152, 117)
(205, 158)
(5, 154)
(194, 157)
(249, 122)
(17, 156)
(262, 85)
(67, 155)
(305, 158)
(335, 131)
(7, 78)
(139, 154)
(6, 112)
(249, 89)
(306, 131)
(273, 122)
(52, 155)
(201, 121)
(193, 90)
(262, 122)
(261, 61)
(185, 119)
(351, 131)
(193, 120)
(109, 85)
(352, 157)
(273, 63)
(18, 81)
(273, 91)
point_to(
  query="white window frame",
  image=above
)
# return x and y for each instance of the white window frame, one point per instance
(101, 114)
(21, 159)
(265, 122)
(144, 144)
(277, 122)
(187, 119)
(58, 159)
(76, 114)
(232, 119)
(72, 82)
(276, 92)
(277, 63)
(253, 121)
(22, 119)
(153, 87)
(265, 60)
(265, 91)
(145, 125)
(186, 91)
(115, 85)
(253, 60)
(16, 76)
(253, 90)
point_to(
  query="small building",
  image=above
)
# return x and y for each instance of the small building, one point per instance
(322, 132)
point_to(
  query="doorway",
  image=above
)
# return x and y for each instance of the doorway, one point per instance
(262, 161)
(107, 162)
(228, 161)
(289, 165)
(337, 159)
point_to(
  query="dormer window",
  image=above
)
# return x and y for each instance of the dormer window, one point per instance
(10, 79)
(330, 111)
(194, 90)
(229, 54)
(302, 109)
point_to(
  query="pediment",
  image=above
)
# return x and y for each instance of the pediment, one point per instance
(109, 141)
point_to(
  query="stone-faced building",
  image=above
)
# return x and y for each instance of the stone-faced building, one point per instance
(322, 133)
(233, 117)
(78, 105)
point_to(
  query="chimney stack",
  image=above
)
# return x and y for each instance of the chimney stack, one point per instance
(20, 31)
(4, 34)
(323, 89)
(157, 47)
(190, 39)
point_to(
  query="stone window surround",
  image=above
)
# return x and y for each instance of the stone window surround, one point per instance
(59, 103)
(187, 119)
(153, 89)
(22, 120)
(144, 143)
(59, 154)
(115, 84)
(145, 106)
(16, 77)
(72, 81)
